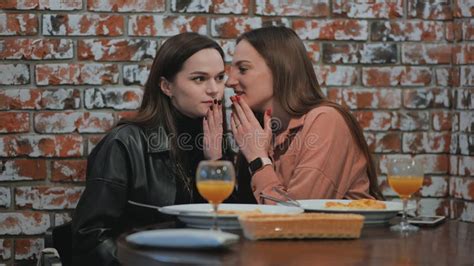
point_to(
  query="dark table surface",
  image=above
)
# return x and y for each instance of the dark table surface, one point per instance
(450, 243)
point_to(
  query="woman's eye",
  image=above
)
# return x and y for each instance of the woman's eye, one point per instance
(198, 79)
(242, 70)
(221, 77)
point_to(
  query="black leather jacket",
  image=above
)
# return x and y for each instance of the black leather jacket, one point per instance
(130, 163)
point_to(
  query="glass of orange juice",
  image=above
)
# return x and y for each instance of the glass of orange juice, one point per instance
(215, 181)
(405, 176)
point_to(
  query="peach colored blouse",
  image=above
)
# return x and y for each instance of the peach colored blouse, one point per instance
(316, 157)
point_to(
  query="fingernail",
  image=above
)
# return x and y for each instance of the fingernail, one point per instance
(211, 107)
(237, 98)
(219, 102)
(215, 101)
(269, 111)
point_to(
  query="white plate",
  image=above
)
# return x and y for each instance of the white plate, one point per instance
(200, 215)
(183, 238)
(371, 216)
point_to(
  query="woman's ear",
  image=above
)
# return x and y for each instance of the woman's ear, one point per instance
(165, 87)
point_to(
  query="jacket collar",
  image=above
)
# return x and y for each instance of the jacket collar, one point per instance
(157, 140)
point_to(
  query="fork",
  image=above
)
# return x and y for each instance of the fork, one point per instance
(286, 196)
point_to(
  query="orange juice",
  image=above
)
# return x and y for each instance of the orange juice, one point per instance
(405, 185)
(215, 191)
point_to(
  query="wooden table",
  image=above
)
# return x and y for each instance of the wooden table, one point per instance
(451, 243)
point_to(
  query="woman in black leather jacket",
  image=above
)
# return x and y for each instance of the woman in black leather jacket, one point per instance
(152, 158)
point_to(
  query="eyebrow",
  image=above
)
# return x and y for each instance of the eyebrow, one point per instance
(242, 61)
(204, 73)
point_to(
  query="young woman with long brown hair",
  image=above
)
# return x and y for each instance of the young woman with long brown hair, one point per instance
(152, 158)
(314, 148)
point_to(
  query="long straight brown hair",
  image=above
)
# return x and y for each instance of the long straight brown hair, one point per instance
(156, 108)
(296, 86)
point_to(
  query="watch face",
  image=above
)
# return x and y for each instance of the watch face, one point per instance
(256, 164)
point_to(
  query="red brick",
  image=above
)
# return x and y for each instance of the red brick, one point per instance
(14, 74)
(28, 249)
(116, 49)
(5, 199)
(229, 47)
(384, 142)
(116, 98)
(14, 122)
(378, 120)
(337, 53)
(434, 206)
(126, 6)
(318, 8)
(442, 120)
(41, 5)
(426, 98)
(76, 74)
(68, 122)
(48, 198)
(464, 98)
(92, 141)
(22, 169)
(69, 170)
(426, 142)
(28, 99)
(214, 6)
(19, 4)
(411, 120)
(339, 29)
(407, 31)
(83, 25)
(466, 165)
(463, 8)
(453, 31)
(232, 27)
(466, 144)
(447, 76)
(370, 98)
(41, 145)
(435, 186)
(24, 223)
(36, 49)
(462, 188)
(368, 9)
(18, 24)
(5, 249)
(467, 212)
(467, 75)
(468, 30)
(331, 75)
(135, 74)
(463, 53)
(313, 50)
(453, 164)
(378, 53)
(466, 121)
(125, 115)
(159, 25)
(393, 76)
(62, 218)
(439, 10)
(422, 54)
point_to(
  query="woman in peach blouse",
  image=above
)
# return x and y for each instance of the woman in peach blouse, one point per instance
(308, 146)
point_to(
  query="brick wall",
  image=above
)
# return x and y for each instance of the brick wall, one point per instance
(71, 68)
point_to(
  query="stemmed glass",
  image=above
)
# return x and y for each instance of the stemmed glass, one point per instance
(405, 176)
(215, 181)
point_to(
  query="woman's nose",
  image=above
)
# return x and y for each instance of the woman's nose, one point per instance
(231, 80)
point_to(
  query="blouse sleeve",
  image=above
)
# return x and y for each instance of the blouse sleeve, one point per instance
(318, 164)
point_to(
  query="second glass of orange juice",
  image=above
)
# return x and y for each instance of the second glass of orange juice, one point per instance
(405, 176)
(215, 181)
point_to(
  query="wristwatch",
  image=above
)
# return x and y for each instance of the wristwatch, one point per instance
(258, 164)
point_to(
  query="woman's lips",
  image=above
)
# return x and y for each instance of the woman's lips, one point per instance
(239, 93)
